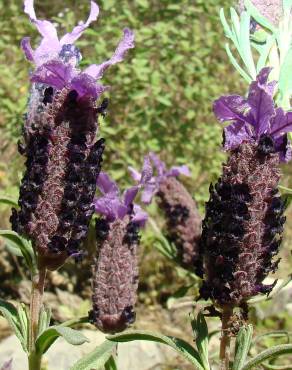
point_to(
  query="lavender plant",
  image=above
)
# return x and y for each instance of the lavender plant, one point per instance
(242, 227)
(63, 161)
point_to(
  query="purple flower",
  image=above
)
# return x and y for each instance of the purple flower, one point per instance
(255, 117)
(114, 206)
(151, 183)
(57, 59)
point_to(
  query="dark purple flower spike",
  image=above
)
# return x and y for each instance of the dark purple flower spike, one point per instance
(242, 228)
(183, 222)
(57, 60)
(115, 273)
(63, 160)
(244, 219)
(255, 117)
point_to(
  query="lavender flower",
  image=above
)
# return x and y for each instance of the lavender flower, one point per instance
(151, 183)
(244, 217)
(256, 118)
(63, 156)
(183, 222)
(57, 60)
(115, 274)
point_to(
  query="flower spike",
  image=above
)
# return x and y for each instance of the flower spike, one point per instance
(115, 273)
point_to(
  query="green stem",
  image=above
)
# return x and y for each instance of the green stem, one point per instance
(227, 312)
(37, 291)
(36, 301)
(34, 361)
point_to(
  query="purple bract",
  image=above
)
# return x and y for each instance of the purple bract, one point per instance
(114, 206)
(255, 116)
(57, 59)
(151, 183)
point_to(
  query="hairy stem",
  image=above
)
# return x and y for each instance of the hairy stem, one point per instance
(227, 312)
(37, 291)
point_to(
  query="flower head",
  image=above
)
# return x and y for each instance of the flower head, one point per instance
(57, 59)
(242, 228)
(115, 274)
(256, 119)
(151, 183)
(114, 206)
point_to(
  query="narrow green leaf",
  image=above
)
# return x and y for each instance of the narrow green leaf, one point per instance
(111, 364)
(270, 353)
(236, 65)
(268, 366)
(23, 320)
(179, 345)
(49, 336)
(245, 47)
(13, 248)
(97, 358)
(242, 346)
(201, 335)
(19, 242)
(9, 311)
(227, 30)
(236, 27)
(9, 201)
(287, 190)
(44, 321)
(274, 334)
(256, 15)
(285, 79)
(264, 53)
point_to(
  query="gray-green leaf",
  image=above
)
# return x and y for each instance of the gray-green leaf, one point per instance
(49, 336)
(182, 347)
(4, 199)
(10, 313)
(97, 358)
(200, 330)
(272, 352)
(24, 247)
(285, 80)
(242, 346)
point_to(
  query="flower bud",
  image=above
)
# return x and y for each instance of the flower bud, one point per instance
(115, 275)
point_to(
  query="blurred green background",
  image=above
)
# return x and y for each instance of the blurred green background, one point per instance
(160, 99)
